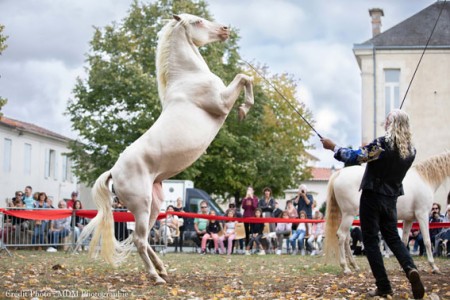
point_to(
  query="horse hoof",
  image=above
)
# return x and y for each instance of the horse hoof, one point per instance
(242, 112)
(160, 281)
(164, 276)
(437, 271)
(347, 272)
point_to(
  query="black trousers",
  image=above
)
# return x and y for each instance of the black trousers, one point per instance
(247, 232)
(379, 213)
(179, 240)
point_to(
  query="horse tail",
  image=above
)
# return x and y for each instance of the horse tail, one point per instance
(332, 216)
(102, 226)
(435, 169)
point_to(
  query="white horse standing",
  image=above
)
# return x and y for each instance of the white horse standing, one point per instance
(420, 184)
(195, 104)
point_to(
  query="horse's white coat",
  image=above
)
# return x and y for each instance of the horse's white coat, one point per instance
(420, 184)
(195, 105)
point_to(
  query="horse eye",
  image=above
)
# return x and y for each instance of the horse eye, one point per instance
(198, 22)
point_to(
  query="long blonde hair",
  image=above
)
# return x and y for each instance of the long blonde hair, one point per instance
(398, 133)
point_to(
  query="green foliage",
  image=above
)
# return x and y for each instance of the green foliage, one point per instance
(119, 101)
(3, 46)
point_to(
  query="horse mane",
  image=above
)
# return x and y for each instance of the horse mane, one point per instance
(435, 169)
(163, 53)
(162, 57)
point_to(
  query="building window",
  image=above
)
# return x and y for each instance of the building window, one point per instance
(66, 168)
(391, 89)
(27, 160)
(7, 155)
(50, 164)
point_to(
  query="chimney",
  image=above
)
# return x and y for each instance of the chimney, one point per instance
(376, 14)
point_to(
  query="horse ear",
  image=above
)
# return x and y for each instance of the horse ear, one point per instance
(176, 17)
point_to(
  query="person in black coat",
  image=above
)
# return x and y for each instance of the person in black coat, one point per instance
(388, 159)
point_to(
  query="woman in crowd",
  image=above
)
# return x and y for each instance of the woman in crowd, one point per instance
(267, 205)
(80, 222)
(168, 226)
(59, 229)
(256, 233)
(179, 208)
(293, 214)
(317, 231)
(283, 231)
(249, 205)
(299, 234)
(40, 226)
(229, 234)
(212, 231)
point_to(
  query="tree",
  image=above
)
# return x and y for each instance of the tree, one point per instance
(119, 101)
(3, 46)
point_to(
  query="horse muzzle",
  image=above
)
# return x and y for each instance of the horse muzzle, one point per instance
(224, 33)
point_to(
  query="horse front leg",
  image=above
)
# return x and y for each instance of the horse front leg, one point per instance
(232, 91)
(249, 100)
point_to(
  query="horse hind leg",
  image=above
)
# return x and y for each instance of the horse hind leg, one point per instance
(158, 263)
(342, 255)
(156, 204)
(342, 234)
(348, 253)
(427, 242)
(140, 240)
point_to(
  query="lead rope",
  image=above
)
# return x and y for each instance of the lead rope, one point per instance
(282, 96)
(423, 52)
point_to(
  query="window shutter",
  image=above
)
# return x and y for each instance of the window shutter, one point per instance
(47, 163)
(56, 167)
(64, 167)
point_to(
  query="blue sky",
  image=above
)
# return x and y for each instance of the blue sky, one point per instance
(312, 40)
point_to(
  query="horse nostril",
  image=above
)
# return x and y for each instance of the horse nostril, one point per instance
(224, 27)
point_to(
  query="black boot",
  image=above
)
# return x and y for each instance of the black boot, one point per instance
(416, 284)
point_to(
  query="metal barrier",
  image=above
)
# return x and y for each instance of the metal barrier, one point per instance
(26, 233)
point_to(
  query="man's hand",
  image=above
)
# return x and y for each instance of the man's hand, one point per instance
(328, 144)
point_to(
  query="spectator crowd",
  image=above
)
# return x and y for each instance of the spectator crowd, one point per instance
(40, 233)
(214, 236)
(264, 238)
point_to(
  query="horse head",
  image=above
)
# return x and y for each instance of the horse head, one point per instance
(202, 31)
(189, 29)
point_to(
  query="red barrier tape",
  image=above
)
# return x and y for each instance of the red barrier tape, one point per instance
(128, 217)
(38, 214)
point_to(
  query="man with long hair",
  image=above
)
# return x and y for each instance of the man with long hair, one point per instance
(388, 159)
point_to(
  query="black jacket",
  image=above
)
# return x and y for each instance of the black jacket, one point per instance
(385, 175)
(213, 227)
(257, 228)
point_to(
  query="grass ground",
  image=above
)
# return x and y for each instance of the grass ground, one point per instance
(43, 275)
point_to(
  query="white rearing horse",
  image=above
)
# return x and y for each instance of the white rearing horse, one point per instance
(195, 104)
(420, 184)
